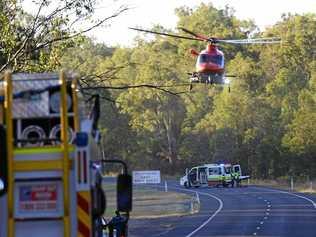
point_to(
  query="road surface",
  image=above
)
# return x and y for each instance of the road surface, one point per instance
(245, 211)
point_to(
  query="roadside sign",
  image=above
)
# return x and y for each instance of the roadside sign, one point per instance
(38, 199)
(146, 177)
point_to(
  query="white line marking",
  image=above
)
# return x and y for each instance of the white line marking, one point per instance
(293, 194)
(265, 217)
(211, 217)
(255, 233)
(268, 209)
(258, 228)
(261, 223)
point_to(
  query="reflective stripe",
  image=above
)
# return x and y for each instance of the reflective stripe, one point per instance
(83, 213)
(40, 150)
(38, 165)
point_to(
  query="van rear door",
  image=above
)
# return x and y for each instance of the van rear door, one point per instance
(237, 169)
(202, 175)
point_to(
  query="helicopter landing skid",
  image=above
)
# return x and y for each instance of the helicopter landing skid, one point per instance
(211, 79)
(194, 80)
(206, 78)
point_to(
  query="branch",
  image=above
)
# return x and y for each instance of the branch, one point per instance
(27, 38)
(101, 97)
(80, 32)
(15, 55)
(40, 28)
(136, 86)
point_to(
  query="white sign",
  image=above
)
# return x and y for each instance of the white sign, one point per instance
(38, 199)
(146, 177)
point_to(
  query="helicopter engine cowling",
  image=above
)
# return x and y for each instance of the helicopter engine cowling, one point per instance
(194, 52)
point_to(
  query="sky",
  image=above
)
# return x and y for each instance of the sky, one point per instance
(146, 13)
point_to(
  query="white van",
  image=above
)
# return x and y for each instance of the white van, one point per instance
(211, 175)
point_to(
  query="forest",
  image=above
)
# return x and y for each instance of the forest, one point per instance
(150, 118)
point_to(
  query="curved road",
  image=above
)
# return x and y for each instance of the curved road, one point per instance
(245, 211)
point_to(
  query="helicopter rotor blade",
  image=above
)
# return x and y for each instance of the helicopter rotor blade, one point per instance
(271, 40)
(202, 37)
(197, 37)
(166, 34)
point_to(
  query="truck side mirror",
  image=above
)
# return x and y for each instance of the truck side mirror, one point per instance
(124, 193)
(3, 162)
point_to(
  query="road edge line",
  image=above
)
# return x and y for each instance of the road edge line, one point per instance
(293, 194)
(211, 217)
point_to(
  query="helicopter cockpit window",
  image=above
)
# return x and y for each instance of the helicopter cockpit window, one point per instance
(216, 59)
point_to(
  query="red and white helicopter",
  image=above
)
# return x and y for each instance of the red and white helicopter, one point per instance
(210, 63)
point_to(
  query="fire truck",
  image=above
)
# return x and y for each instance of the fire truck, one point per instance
(213, 175)
(50, 172)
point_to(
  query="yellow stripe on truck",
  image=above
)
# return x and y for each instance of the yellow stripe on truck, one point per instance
(40, 150)
(30, 165)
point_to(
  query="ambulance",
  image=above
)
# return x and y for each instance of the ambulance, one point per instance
(215, 175)
(50, 170)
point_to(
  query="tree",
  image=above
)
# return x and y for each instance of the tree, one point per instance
(300, 136)
(36, 42)
(155, 113)
(152, 121)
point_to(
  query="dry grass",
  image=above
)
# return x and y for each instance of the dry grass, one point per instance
(299, 186)
(152, 203)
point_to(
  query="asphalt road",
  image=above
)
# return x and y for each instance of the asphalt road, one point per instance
(245, 211)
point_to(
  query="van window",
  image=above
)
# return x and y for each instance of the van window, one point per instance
(227, 170)
(193, 171)
(236, 169)
(214, 171)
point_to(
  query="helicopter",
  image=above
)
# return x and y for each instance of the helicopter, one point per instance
(210, 63)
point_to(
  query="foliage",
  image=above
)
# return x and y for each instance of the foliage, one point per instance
(36, 42)
(265, 123)
(150, 119)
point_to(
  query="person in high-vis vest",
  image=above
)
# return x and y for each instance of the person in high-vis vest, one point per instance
(235, 179)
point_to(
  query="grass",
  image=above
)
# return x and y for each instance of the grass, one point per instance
(299, 186)
(152, 203)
